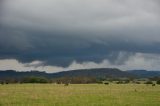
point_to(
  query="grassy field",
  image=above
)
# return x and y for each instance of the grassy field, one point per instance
(79, 95)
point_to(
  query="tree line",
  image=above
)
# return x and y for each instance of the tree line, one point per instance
(76, 80)
(61, 80)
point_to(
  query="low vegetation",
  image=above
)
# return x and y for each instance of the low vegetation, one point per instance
(78, 89)
(80, 80)
(79, 95)
(158, 82)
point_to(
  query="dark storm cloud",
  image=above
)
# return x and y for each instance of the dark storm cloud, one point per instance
(59, 32)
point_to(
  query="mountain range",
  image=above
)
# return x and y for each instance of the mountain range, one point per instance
(99, 72)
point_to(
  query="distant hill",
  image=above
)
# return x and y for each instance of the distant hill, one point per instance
(15, 74)
(96, 73)
(144, 73)
(100, 72)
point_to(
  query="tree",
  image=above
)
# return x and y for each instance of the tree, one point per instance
(149, 82)
(33, 79)
(158, 82)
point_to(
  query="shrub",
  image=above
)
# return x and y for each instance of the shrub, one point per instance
(127, 81)
(99, 82)
(106, 83)
(2, 82)
(119, 82)
(66, 84)
(158, 82)
(137, 82)
(149, 82)
(35, 80)
(153, 84)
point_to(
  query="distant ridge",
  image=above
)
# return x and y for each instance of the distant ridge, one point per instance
(144, 73)
(99, 72)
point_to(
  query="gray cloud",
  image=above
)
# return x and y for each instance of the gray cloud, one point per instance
(59, 32)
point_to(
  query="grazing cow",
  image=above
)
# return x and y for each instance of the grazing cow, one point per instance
(153, 84)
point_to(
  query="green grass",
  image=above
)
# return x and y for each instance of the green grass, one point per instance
(79, 95)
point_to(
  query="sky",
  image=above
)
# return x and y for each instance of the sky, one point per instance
(59, 35)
